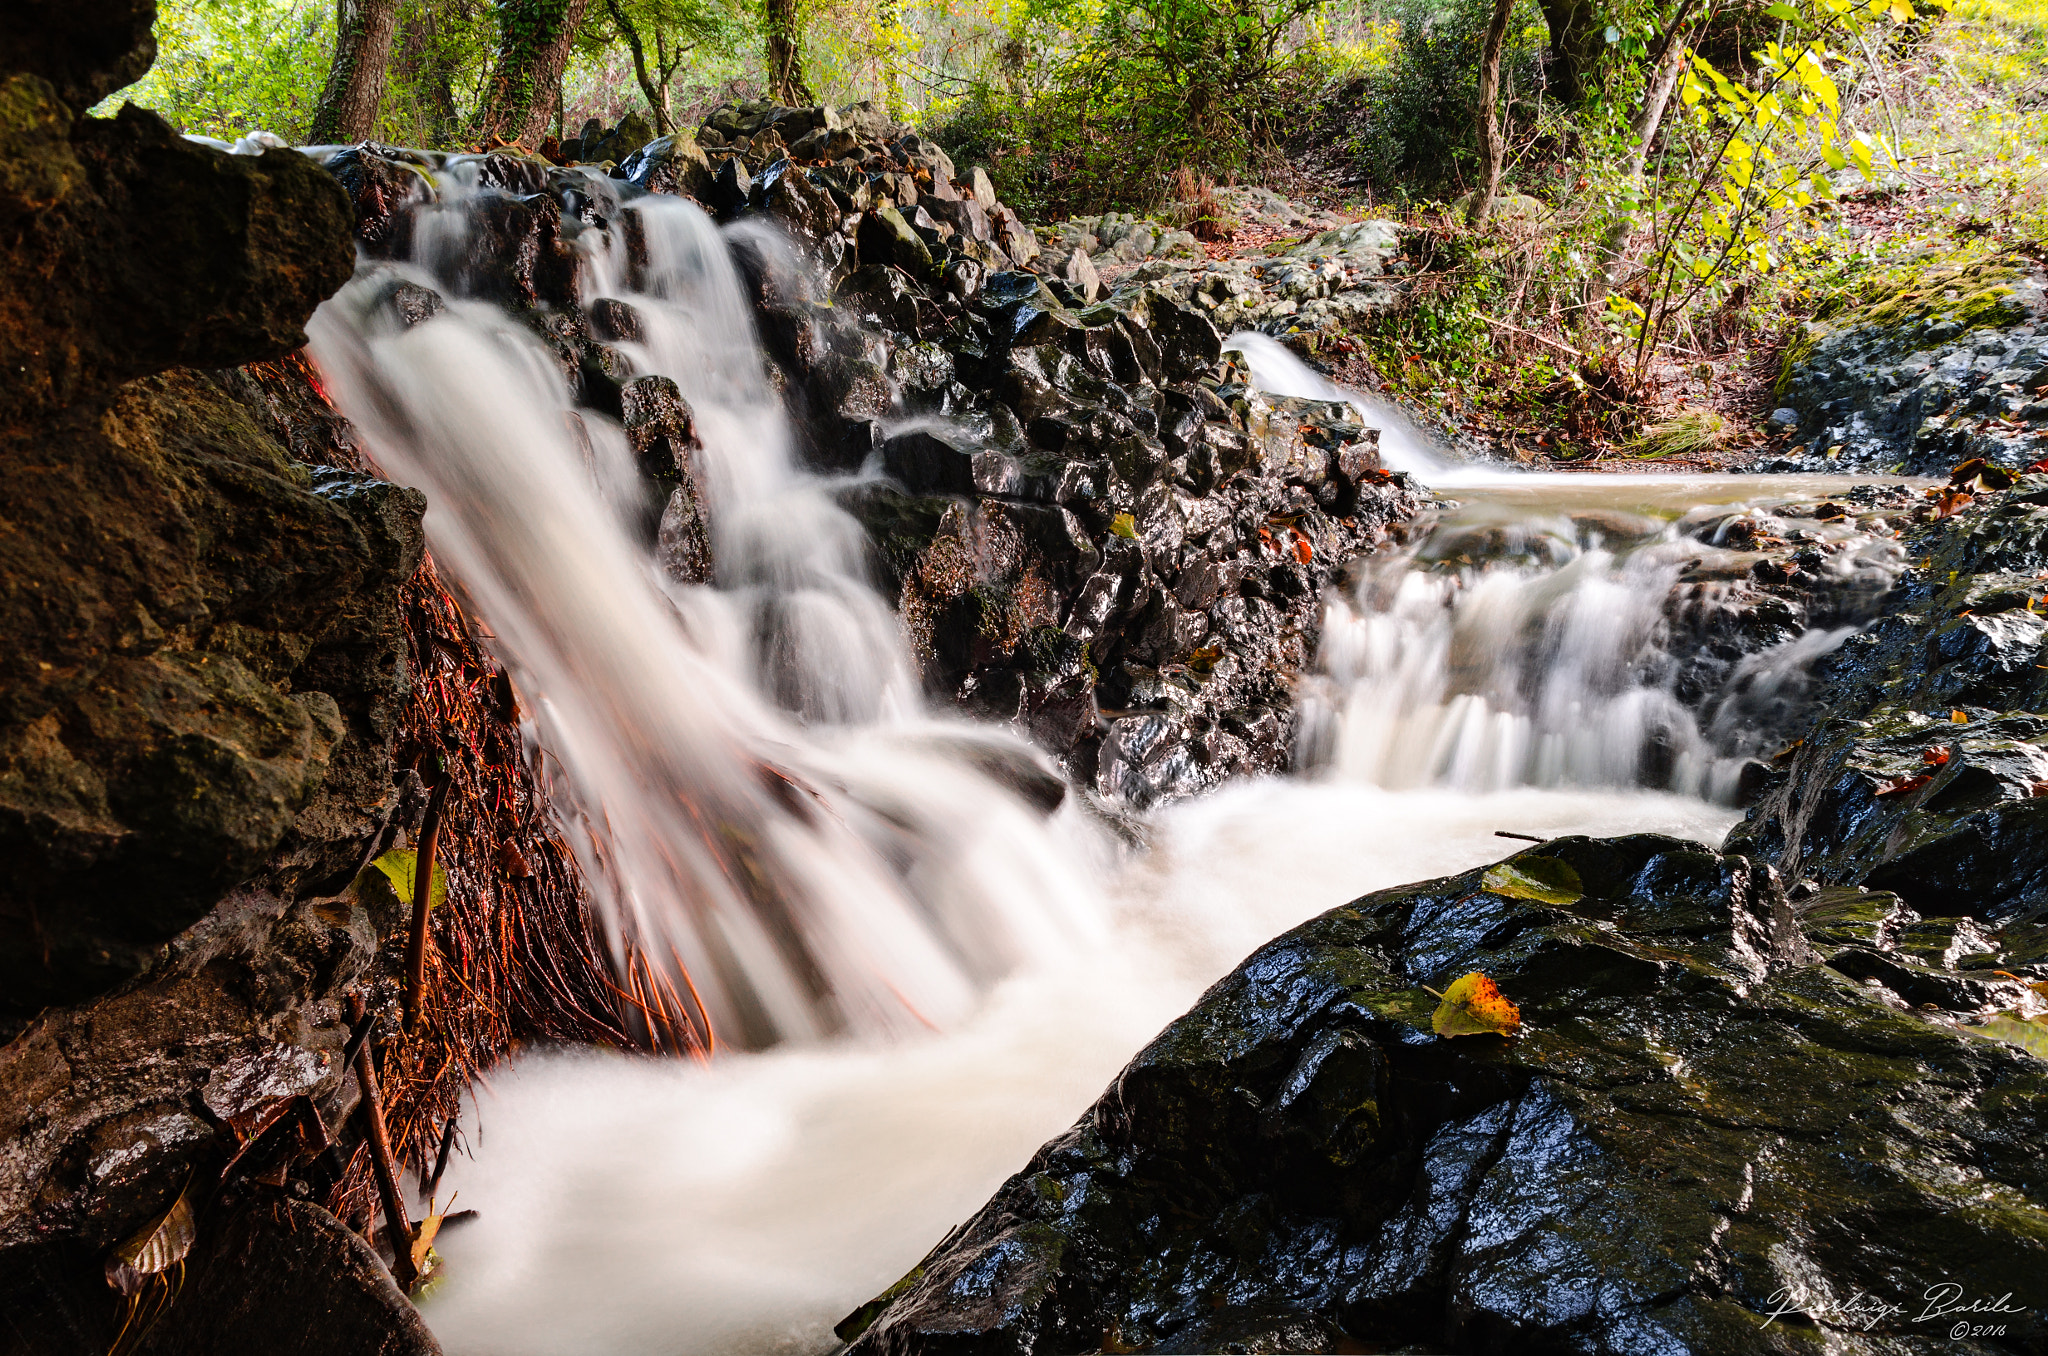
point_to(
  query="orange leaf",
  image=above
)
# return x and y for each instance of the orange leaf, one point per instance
(1899, 786)
(1303, 552)
(1475, 1006)
(1934, 757)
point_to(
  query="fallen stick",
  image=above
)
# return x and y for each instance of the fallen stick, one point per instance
(397, 1228)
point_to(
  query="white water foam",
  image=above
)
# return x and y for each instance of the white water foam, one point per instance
(632, 1205)
(629, 1208)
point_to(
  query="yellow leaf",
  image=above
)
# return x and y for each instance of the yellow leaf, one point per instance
(1475, 1006)
(2031, 1036)
(401, 867)
(1902, 11)
(423, 1241)
(156, 1246)
(1546, 880)
(1959, 717)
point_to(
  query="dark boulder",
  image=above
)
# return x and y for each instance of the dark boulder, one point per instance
(86, 51)
(133, 250)
(1923, 772)
(1704, 1140)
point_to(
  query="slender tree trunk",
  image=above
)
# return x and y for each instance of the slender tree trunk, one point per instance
(785, 59)
(1649, 118)
(889, 20)
(656, 96)
(1492, 154)
(420, 61)
(533, 49)
(347, 110)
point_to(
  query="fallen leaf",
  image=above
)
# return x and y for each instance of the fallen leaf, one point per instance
(1303, 552)
(1934, 756)
(423, 1241)
(1545, 880)
(1899, 786)
(400, 866)
(156, 1246)
(1475, 1006)
(2031, 1036)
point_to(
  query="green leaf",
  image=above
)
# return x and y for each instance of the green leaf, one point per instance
(1547, 880)
(2031, 1036)
(1783, 11)
(400, 867)
(1124, 525)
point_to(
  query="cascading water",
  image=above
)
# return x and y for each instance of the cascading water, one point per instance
(848, 875)
(758, 797)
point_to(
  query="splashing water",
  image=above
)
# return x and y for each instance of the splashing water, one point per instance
(758, 797)
(1527, 638)
(851, 876)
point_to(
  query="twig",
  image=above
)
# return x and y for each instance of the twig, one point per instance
(1525, 837)
(397, 1228)
(422, 901)
(1528, 334)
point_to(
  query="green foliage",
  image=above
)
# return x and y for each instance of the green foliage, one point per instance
(1153, 87)
(226, 67)
(1416, 137)
(1770, 146)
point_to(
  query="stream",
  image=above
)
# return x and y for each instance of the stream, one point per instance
(924, 976)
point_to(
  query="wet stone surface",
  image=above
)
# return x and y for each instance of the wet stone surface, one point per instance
(1720, 1110)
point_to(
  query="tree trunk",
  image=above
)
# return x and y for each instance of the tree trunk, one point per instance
(657, 99)
(1649, 118)
(533, 48)
(420, 61)
(1491, 152)
(347, 110)
(785, 59)
(1575, 43)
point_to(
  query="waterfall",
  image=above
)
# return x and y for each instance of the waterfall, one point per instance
(848, 864)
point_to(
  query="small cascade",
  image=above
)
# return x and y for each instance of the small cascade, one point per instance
(783, 844)
(1518, 645)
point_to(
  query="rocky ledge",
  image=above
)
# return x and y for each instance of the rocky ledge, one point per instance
(1730, 1123)
(1926, 374)
(1093, 525)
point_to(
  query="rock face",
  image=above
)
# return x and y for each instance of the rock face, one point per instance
(1721, 1130)
(1925, 772)
(1094, 526)
(204, 668)
(1950, 366)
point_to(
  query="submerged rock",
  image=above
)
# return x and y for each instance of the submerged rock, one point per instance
(1716, 1133)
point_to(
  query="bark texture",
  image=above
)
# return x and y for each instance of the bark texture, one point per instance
(533, 47)
(347, 111)
(785, 58)
(1491, 151)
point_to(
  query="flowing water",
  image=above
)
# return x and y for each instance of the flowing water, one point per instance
(929, 977)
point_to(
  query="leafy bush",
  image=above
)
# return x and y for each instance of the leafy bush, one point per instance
(1414, 137)
(1155, 87)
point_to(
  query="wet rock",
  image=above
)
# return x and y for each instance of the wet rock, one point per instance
(1923, 772)
(670, 164)
(1705, 1140)
(285, 1275)
(1918, 380)
(150, 759)
(158, 251)
(886, 237)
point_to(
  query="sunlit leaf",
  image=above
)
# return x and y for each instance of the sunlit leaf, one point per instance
(1475, 1006)
(400, 866)
(2029, 1035)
